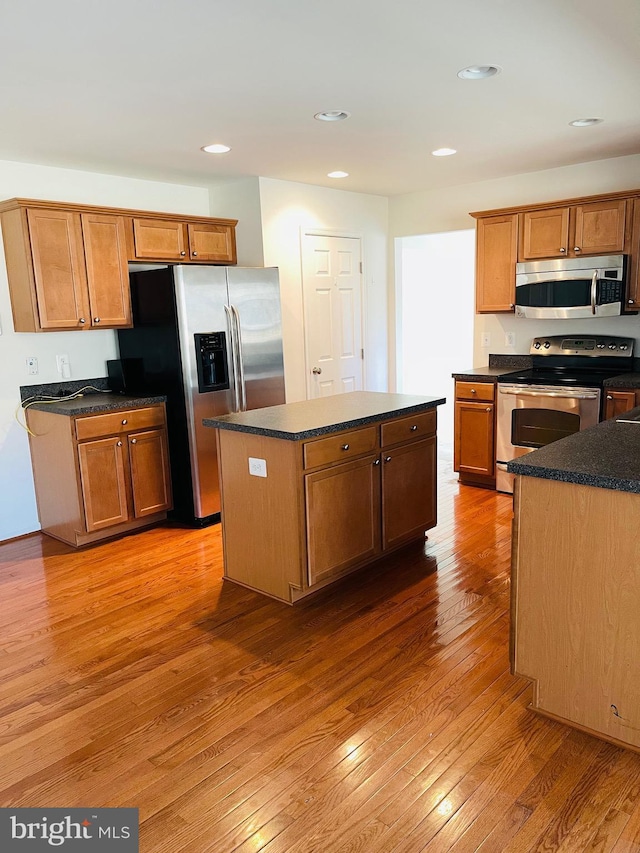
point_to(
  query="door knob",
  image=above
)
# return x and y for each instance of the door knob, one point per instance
(317, 370)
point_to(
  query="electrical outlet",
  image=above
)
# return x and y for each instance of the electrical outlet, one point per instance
(486, 339)
(64, 368)
(32, 365)
(257, 467)
(510, 339)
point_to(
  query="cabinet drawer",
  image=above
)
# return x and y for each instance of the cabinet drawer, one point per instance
(338, 448)
(419, 425)
(484, 391)
(125, 420)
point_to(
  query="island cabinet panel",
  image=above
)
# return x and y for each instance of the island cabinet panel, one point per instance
(408, 492)
(575, 604)
(327, 505)
(342, 517)
(101, 475)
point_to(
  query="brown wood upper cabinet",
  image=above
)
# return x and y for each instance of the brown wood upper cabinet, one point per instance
(593, 228)
(210, 242)
(66, 269)
(496, 256)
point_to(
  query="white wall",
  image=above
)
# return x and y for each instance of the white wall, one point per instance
(87, 350)
(287, 208)
(448, 210)
(240, 199)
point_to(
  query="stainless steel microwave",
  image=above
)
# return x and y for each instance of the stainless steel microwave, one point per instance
(571, 287)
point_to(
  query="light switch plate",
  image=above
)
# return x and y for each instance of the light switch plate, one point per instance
(510, 339)
(257, 467)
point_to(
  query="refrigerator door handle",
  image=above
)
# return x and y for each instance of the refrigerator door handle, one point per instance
(238, 339)
(234, 356)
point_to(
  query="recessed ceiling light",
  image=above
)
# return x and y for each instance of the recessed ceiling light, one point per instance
(479, 72)
(332, 115)
(443, 152)
(216, 149)
(338, 174)
(585, 122)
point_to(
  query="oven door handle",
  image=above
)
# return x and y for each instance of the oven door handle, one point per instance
(520, 392)
(594, 285)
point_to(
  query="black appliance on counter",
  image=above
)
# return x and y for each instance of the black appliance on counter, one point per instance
(560, 394)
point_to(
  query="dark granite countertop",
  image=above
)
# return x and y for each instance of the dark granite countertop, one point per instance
(606, 456)
(624, 380)
(324, 415)
(500, 364)
(92, 403)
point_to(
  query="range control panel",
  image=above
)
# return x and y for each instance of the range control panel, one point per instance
(609, 345)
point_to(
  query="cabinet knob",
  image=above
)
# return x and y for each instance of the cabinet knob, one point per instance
(488, 409)
(82, 321)
(511, 305)
(609, 397)
(576, 248)
(630, 301)
(134, 441)
(473, 390)
(96, 319)
(118, 443)
(387, 459)
(413, 428)
(194, 254)
(345, 447)
(182, 254)
(376, 461)
(562, 250)
(124, 421)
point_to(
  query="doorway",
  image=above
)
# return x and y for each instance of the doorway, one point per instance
(332, 296)
(434, 317)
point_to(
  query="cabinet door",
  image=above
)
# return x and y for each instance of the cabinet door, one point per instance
(473, 451)
(104, 483)
(342, 517)
(618, 402)
(150, 479)
(159, 239)
(58, 267)
(496, 255)
(599, 227)
(545, 233)
(408, 492)
(107, 269)
(212, 243)
(633, 292)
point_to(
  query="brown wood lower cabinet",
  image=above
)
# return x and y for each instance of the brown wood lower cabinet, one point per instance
(99, 475)
(326, 506)
(620, 401)
(474, 433)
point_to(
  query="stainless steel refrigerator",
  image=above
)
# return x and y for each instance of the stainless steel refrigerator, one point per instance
(210, 338)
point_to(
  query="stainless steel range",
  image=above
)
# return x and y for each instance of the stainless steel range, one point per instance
(560, 394)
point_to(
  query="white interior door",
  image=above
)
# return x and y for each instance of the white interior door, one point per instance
(332, 293)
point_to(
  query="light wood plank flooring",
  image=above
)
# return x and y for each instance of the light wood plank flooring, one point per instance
(379, 716)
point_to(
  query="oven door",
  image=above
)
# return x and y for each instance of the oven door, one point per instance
(531, 416)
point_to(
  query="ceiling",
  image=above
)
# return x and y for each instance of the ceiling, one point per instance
(137, 87)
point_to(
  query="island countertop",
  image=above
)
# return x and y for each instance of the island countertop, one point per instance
(324, 415)
(606, 456)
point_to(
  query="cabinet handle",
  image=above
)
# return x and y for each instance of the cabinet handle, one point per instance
(387, 459)
(182, 254)
(511, 305)
(118, 444)
(473, 390)
(376, 461)
(124, 421)
(609, 397)
(344, 447)
(194, 254)
(413, 428)
(576, 249)
(96, 319)
(488, 409)
(630, 301)
(562, 250)
(134, 441)
(82, 321)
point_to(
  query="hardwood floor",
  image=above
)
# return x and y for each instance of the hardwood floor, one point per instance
(378, 716)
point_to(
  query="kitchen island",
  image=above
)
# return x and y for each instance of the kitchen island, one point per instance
(316, 489)
(575, 630)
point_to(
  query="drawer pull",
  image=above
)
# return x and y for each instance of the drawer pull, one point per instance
(473, 390)
(413, 428)
(345, 447)
(387, 459)
(124, 421)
